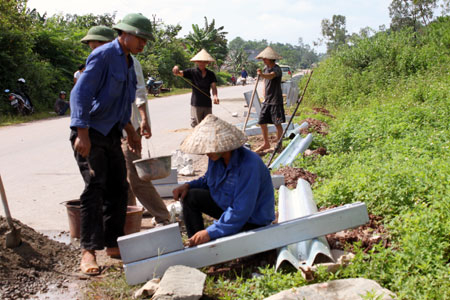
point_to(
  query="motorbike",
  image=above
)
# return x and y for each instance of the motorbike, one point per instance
(154, 86)
(19, 102)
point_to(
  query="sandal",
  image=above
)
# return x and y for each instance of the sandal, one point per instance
(89, 268)
(88, 265)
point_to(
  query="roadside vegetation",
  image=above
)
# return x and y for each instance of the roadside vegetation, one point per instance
(388, 147)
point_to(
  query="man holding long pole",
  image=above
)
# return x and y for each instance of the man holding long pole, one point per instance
(272, 111)
(203, 80)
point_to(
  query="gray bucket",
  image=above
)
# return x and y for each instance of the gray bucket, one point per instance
(153, 168)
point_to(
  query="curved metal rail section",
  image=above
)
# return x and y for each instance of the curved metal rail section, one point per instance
(295, 204)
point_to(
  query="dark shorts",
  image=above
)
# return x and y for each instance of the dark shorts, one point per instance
(272, 114)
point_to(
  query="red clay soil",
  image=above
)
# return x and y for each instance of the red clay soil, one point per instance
(316, 126)
(369, 235)
(291, 176)
(36, 263)
(323, 111)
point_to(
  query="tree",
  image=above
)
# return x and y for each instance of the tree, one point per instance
(160, 55)
(411, 13)
(237, 59)
(210, 38)
(334, 32)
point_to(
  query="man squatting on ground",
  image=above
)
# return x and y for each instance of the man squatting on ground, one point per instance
(272, 110)
(100, 109)
(236, 189)
(140, 119)
(204, 80)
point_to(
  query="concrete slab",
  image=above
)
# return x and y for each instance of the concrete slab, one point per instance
(181, 283)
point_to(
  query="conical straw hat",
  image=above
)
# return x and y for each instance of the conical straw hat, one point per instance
(213, 135)
(268, 53)
(203, 55)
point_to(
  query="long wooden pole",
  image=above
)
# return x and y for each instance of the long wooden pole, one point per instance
(250, 105)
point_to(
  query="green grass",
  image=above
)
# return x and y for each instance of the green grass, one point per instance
(6, 120)
(173, 91)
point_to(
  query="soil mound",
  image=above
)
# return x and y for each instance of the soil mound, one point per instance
(316, 126)
(35, 264)
(291, 176)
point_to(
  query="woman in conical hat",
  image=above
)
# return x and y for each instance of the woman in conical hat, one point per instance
(202, 81)
(272, 110)
(236, 190)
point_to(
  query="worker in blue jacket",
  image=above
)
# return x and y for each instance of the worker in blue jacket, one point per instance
(236, 190)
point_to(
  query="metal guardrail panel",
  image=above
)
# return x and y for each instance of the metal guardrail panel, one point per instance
(297, 128)
(293, 204)
(256, 104)
(251, 242)
(296, 146)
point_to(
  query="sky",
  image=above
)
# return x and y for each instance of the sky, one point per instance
(283, 21)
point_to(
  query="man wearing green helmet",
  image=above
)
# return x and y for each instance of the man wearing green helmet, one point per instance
(97, 36)
(140, 119)
(100, 108)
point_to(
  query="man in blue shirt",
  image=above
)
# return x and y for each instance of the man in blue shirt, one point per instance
(236, 190)
(244, 75)
(100, 108)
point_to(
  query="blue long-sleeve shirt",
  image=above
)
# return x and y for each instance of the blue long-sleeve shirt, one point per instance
(243, 189)
(103, 95)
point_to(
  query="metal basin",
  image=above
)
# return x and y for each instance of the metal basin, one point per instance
(153, 168)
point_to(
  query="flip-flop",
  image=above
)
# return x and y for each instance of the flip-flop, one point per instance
(89, 268)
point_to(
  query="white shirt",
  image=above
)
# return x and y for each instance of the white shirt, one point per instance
(141, 97)
(77, 74)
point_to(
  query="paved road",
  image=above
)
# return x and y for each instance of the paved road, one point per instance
(39, 172)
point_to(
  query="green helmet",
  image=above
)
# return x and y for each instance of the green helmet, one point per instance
(136, 24)
(99, 33)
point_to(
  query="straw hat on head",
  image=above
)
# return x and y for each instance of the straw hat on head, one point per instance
(203, 55)
(213, 135)
(268, 53)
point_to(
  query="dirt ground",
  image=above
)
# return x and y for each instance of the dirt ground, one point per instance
(34, 265)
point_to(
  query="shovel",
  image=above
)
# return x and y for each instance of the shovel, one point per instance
(13, 238)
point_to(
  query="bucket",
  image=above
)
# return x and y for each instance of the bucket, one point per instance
(153, 168)
(132, 221)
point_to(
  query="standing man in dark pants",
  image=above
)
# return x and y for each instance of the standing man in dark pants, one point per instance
(203, 79)
(272, 110)
(100, 108)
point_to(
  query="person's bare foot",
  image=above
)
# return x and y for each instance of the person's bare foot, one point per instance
(262, 148)
(88, 264)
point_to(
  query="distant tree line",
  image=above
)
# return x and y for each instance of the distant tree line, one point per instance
(414, 14)
(46, 50)
(242, 54)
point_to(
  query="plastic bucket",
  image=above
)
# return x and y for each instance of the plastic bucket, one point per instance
(133, 219)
